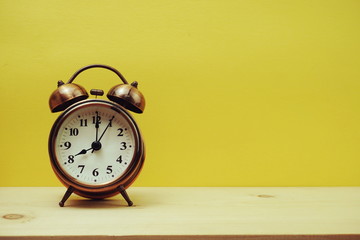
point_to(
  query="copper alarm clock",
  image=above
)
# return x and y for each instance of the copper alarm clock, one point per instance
(95, 146)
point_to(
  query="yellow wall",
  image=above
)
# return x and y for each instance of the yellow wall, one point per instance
(239, 93)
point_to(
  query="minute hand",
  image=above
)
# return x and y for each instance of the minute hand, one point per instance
(106, 129)
(97, 126)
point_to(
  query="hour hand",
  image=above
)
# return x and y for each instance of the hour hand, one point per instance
(84, 151)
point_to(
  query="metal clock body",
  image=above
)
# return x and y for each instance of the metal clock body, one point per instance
(95, 146)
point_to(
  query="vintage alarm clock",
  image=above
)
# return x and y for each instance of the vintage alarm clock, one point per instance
(95, 146)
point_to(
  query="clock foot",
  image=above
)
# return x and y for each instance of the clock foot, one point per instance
(67, 194)
(125, 195)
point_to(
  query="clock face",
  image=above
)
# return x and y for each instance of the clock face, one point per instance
(95, 144)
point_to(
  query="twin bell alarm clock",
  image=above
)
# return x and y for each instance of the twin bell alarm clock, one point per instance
(95, 146)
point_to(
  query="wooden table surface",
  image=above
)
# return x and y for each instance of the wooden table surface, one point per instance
(183, 213)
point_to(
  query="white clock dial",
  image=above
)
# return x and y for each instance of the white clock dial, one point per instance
(95, 144)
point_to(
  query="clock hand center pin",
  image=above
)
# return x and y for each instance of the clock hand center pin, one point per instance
(96, 145)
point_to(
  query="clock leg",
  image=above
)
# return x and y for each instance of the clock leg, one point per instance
(125, 195)
(67, 194)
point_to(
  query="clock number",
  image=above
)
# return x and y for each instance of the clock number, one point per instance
(70, 158)
(98, 118)
(82, 168)
(67, 145)
(83, 122)
(95, 173)
(109, 169)
(119, 160)
(120, 132)
(74, 131)
(123, 146)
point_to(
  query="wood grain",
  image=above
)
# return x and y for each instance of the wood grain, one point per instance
(184, 213)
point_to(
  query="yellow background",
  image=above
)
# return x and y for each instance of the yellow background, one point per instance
(239, 93)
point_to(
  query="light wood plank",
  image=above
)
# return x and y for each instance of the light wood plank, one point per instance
(185, 213)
